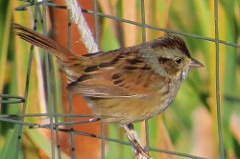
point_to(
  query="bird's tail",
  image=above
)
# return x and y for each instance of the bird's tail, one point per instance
(43, 42)
(66, 58)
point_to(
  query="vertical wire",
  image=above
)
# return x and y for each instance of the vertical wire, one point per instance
(55, 109)
(144, 40)
(70, 94)
(217, 81)
(143, 21)
(20, 129)
(52, 108)
(96, 27)
(102, 141)
(49, 67)
(71, 128)
(56, 117)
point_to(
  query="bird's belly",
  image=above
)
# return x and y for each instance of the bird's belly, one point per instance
(127, 110)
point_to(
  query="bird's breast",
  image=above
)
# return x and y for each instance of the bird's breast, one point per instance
(131, 109)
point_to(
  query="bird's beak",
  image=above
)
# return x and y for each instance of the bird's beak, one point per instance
(195, 63)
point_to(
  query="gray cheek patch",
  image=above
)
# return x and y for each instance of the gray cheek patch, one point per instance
(151, 59)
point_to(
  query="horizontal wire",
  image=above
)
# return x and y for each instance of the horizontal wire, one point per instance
(11, 99)
(32, 125)
(149, 26)
(176, 153)
(64, 123)
(17, 122)
(44, 114)
(129, 144)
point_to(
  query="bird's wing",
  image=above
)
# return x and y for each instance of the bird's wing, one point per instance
(124, 75)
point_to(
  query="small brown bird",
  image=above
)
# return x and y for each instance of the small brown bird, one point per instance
(124, 85)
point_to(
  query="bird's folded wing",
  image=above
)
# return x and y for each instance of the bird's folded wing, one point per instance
(115, 83)
(119, 75)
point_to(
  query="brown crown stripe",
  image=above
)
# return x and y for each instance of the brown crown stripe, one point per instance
(172, 42)
(91, 68)
(117, 82)
(116, 76)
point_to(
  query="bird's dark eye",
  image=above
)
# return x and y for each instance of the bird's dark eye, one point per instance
(178, 60)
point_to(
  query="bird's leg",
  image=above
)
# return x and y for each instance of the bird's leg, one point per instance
(134, 139)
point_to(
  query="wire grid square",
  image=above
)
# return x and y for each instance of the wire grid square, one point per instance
(51, 88)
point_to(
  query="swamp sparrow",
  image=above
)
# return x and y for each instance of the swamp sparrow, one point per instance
(124, 85)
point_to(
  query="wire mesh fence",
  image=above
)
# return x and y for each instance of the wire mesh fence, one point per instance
(55, 116)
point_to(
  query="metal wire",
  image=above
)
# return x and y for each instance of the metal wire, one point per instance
(96, 33)
(53, 115)
(70, 94)
(20, 129)
(14, 99)
(144, 40)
